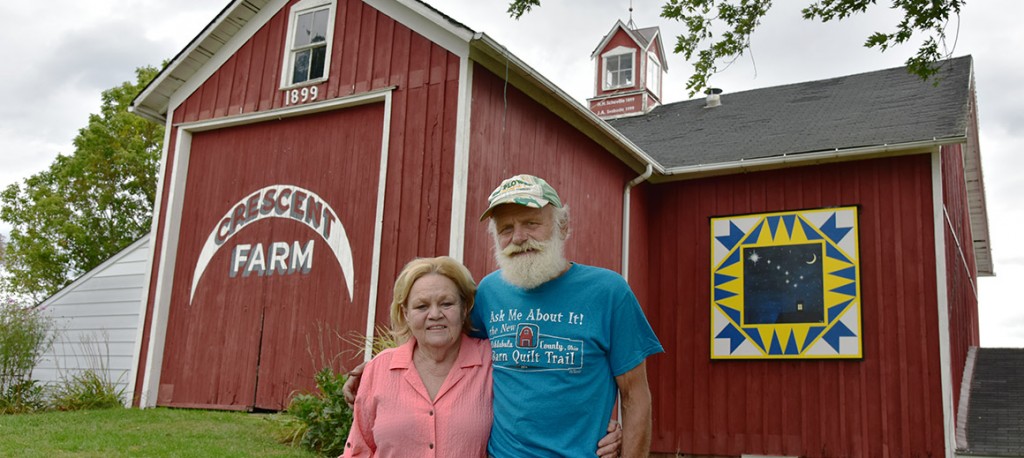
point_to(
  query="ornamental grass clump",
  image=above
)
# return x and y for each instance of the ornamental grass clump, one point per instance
(92, 388)
(85, 390)
(24, 337)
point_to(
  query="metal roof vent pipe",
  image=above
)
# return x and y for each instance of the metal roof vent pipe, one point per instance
(714, 97)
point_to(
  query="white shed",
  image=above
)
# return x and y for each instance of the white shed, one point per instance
(97, 319)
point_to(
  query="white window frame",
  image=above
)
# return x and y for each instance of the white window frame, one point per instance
(654, 74)
(617, 53)
(287, 69)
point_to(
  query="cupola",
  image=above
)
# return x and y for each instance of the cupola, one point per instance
(629, 63)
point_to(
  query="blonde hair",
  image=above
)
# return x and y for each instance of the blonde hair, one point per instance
(418, 268)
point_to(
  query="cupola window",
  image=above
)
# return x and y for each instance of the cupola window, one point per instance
(618, 68)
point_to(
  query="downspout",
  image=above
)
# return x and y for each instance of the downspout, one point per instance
(625, 218)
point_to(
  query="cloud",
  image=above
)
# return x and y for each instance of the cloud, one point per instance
(49, 92)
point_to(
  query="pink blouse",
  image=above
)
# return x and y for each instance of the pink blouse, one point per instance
(394, 416)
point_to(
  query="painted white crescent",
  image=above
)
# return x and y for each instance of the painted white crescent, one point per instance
(328, 226)
(814, 258)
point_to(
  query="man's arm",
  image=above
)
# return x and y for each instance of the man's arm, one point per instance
(636, 412)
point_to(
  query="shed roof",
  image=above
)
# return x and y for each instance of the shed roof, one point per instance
(887, 107)
(995, 407)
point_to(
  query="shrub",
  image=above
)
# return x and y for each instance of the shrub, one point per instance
(22, 397)
(324, 418)
(24, 338)
(320, 421)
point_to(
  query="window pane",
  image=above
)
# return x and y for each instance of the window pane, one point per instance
(303, 32)
(613, 63)
(301, 72)
(319, 26)
(317, 67)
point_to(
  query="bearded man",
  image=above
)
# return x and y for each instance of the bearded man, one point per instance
(564, 336)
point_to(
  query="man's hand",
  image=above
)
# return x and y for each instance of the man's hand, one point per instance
(611, 443)
(352, 384)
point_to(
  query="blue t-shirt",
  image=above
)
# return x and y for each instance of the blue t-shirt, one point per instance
(556, 350)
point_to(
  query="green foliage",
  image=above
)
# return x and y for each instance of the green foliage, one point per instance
(928, 17)
(520, 7)
(24, 337)
(87, 389)
(324, 418)
(88, 205)
(740, 18)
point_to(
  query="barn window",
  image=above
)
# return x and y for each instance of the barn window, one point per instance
(308, 48)
(654, 75)
(618, 68)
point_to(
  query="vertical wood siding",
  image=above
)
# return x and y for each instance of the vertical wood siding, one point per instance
(371, 51)
(888, 404)
(961, 272)
(521, 136)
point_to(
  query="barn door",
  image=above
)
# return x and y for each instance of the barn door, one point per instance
(274, 257)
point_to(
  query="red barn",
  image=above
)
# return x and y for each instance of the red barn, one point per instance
(315, 146)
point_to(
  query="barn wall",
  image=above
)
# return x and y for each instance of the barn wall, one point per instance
(961, 271)
(96, 319)
(371, 51)
(521, 136)
(887, 404)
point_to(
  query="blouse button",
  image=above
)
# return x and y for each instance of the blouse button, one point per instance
(431, 446)
(431, 413)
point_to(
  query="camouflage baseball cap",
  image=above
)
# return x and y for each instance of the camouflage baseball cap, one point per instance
(526, 190)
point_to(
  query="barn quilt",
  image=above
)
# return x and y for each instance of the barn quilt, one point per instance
(786, 285)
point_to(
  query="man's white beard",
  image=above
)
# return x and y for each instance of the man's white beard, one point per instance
(530, 270)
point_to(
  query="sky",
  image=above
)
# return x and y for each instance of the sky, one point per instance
(49, 88)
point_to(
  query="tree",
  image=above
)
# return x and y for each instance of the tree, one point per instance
(741, 17)
(88, 205)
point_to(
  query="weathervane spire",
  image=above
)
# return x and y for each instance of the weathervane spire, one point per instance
(631, 24)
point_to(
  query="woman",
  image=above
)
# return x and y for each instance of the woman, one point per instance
(432, 394)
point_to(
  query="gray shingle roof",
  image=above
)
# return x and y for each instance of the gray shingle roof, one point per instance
(886, 107)
(995, 410)
(646, 35)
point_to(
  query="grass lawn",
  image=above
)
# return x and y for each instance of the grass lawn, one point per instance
(141, 433)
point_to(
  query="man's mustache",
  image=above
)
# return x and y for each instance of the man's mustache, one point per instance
(528, 245)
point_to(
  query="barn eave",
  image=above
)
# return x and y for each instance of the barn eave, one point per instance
(153, 102)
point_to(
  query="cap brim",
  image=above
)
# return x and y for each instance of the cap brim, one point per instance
(512, 200)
